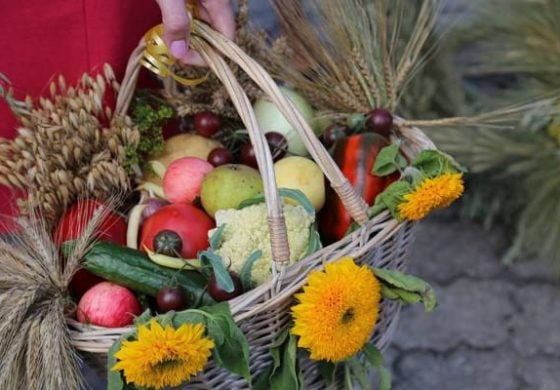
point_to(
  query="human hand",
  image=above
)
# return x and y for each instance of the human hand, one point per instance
(176, 25)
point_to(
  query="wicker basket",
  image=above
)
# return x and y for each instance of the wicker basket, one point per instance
(263, 313)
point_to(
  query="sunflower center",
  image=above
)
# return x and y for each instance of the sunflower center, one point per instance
(348, 316)
(166, 364)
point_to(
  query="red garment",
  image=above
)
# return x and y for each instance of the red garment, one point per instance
(40, 39)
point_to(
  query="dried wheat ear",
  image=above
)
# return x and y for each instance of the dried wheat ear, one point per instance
(69, 145)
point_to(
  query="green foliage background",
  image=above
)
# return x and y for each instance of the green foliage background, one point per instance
(511, 48)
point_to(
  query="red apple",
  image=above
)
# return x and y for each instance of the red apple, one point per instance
(183, 179)
(190, 223)
(109, 305)
(71, 226)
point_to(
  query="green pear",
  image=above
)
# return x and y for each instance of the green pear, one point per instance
(228, 185)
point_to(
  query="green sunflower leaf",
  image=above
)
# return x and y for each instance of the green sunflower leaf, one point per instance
(283, 373)
(232, 353)
(375, 359)
(327, 370)
(389, 293)
(398, 283)
(388, 161)
(143, 318)
(114, 378)
(391, 198)
(286, 376)
(434, 162)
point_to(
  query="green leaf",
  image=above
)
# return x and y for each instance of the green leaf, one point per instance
(299, 197)
(388, 292)
(433, 163)
(189, 317)
(327, 370)
(114, 378)
(232, 353)
(391, 198)
(216, 238)
(283, 373)
(375, 359)
(348, 380)
(314, 242)
(408, 297)
(263, 379)
(223, 278)
(296, 195)
(166, 319)
(388, 161)
(286, 376)
(408, 283)
(246, 271)
(359, 372)
(259, 198)
(143, 318)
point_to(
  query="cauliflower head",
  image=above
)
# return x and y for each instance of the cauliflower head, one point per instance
(246, 231)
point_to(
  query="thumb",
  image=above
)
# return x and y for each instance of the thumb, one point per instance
(176, 27)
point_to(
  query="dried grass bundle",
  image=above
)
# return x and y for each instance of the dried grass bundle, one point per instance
(354, 55)
(34, 339)
(515, 179)
(514, 171)
(522, 41)
(68, 145)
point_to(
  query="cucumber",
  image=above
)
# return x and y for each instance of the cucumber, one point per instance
(131, 268)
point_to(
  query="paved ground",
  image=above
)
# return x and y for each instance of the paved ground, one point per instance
(495, 328)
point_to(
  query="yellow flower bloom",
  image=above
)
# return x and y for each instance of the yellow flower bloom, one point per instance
(432, 194)
(337, 310)
(163, 357)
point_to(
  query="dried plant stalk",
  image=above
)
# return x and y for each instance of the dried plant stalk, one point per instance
(354, 52)
(34, 340)
(69, 145)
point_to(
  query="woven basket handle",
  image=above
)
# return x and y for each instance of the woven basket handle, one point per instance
(207, 41)
(353, 203)
(276, 223)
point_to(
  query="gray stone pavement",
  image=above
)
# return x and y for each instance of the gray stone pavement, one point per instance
(496, 327)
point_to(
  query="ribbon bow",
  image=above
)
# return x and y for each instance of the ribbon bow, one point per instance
(158, 59)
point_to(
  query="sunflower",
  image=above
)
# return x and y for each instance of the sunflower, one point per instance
(337, 310)
(163, 357)
(430, 194)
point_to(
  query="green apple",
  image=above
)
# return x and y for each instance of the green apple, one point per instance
(228, 185)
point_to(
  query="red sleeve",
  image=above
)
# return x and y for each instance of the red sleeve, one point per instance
(40, 39)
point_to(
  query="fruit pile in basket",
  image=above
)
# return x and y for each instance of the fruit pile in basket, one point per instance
(198, 233)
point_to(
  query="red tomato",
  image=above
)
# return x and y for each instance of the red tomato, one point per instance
(189, 222)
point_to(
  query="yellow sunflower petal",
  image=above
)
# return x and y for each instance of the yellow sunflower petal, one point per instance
(337, 310)
(431, 194)
(164, 357)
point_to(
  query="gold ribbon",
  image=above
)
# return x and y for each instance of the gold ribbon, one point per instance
(157, 58)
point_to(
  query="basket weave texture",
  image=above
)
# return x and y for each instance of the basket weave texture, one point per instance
(263, 313)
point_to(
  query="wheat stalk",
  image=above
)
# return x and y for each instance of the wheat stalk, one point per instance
(34, 339)
(354, 52)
